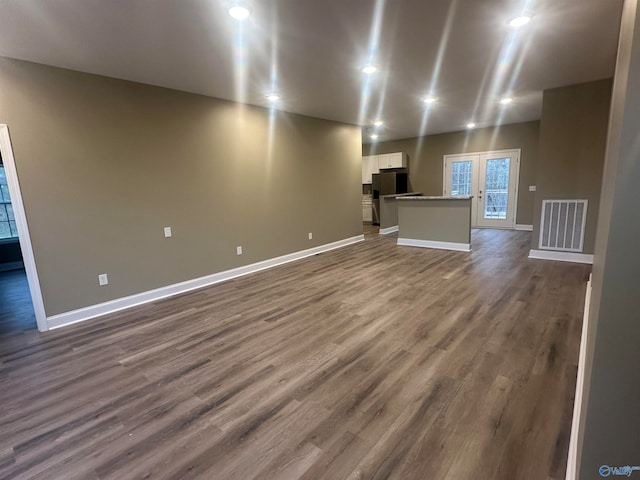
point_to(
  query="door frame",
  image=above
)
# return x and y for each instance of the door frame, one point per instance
(23, 228)
(464, 157)
(512, 151)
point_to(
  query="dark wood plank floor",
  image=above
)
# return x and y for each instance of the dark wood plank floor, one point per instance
(16, 309)
(369, 362)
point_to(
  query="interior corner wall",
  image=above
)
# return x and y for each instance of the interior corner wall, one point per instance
(426, 157)
(610, 424)
(573, 136)
(104, 165)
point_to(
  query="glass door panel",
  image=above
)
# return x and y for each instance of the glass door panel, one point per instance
(491, 179)
(497, 190)
(461, 179)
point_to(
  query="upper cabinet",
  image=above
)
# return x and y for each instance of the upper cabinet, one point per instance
(369, 167)
(374, 163)
(392, 160)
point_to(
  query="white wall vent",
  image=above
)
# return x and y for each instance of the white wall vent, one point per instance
(562, 225)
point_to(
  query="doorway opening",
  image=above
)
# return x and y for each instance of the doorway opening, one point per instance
(491, 178)
(17, 312)
(20, 296)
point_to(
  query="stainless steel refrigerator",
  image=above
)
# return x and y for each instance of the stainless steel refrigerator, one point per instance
(386, 183)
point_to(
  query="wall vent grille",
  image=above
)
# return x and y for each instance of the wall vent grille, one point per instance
(562, 225)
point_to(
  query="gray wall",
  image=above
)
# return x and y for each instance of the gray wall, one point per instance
(435, 220)
(426, 157)
(611, 413)
(105, 164)
(573, 136)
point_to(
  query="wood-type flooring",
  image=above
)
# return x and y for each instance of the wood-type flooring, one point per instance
(16, 309)
(369, 362)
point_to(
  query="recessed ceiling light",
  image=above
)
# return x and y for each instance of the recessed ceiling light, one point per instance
(471, 125)
(373, 136)
(506, 101)
(369, 69)
(520, 21)
(429, 100)
(272, 97)
(378, 123)
(239, 11)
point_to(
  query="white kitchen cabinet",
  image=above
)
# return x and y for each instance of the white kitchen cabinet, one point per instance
(369, 167)
(367, 213)
(392, 160)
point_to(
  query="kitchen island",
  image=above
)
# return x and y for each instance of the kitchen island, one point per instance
(434, 222)
(389, 211)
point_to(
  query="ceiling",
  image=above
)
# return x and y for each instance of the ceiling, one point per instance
(311, 52)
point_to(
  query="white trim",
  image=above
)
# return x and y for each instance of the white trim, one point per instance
(86, 313)
(5, 267)
(388, 230)
(524, 228)
(492, 152)
(411, 242)
(572, 466)
(561, 256)
(23, 228)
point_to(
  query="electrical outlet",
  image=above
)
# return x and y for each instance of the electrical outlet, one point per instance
(532, 188)
(103, 279)
(238, 250)
(167, 232)
(310, 236)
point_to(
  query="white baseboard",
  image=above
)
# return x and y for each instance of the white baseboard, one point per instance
(86, 313)
(386, 231)
(5, 267)
(572, 460)
(561, 256)
(524, 228)
(459, 247)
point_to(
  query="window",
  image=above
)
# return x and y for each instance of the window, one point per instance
(461, 179)
(7, 220)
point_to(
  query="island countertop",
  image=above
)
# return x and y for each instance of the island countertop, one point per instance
(421, 197)
(401, 195)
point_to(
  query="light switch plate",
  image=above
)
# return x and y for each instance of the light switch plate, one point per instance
(239, 250)
(310, 236)
(167, 232)
(532, 188)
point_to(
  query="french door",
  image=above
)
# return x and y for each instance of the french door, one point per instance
(491, 178)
